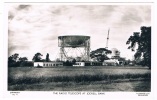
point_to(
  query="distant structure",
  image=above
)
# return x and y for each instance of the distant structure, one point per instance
(107, 39)
(115, 53)
(74, 43)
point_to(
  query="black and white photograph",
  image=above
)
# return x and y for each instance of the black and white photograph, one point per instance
(79, 47)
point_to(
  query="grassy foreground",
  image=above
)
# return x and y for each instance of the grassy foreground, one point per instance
(57, 78)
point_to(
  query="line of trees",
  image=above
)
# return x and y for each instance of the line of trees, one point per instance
(16, 61)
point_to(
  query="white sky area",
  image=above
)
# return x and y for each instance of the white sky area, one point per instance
(35, 28)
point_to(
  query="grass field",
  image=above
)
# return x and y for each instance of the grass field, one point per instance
(89, 78)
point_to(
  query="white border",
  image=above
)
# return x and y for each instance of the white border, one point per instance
(42, 95)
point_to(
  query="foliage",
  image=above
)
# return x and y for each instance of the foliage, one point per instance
(16, 61)
(37, 57)
(100, 54)
(67, 63)
(22, 59)
(143, 41)
(73, 61)
(13, 59)
(47, 57)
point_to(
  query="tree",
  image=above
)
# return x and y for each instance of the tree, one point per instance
(13, 59)
(68, 63)
(100, 54)
(23, 61)
(74, 61)
(37, 57)
(143, 41)
(16, 61)
(47, 58)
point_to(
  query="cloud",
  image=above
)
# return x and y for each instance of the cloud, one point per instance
(21, 7)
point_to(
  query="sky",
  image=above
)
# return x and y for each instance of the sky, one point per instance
(35, 28)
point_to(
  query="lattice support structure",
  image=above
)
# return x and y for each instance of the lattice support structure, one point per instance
(75, 43)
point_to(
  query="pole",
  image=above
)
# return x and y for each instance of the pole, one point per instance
(107, 38)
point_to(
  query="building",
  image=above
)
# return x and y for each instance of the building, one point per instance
(88, 64)
(48, 64)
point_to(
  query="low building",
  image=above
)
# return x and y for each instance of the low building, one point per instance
(48, 64)
(81, 64)
(87, 64)
(111, 62)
